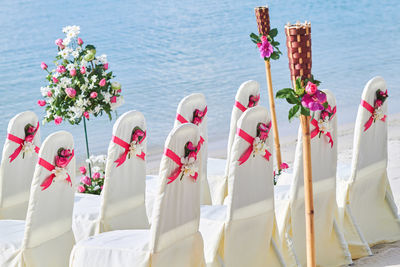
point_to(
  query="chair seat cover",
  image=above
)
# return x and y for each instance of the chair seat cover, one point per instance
(85, 216)
(11, 236)
(365, 197)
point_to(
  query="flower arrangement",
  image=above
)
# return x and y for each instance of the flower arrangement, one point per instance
(304, 98)
(92, 182)
(80, 84)
(188, 161)
(26, 145)
(376, 110)
(198, 116)
(135, 147)
(59, 170)
(322, 124)
(267, 46)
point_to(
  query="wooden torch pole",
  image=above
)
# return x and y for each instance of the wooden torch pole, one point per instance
(308, 190)
(298, 42)
(273, 114)
(262, 16)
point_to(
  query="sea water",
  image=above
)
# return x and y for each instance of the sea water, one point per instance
(161, 51)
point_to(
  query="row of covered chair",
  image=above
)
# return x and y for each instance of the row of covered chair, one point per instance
(158, 220)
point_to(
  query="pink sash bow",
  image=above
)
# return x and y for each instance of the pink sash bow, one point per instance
(21, 142)
(317, 130)
(246, 155)
(126, 146)
(174, 157)
(50, 167)
(371, 119)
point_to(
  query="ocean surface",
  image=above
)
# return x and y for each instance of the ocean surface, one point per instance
(161, 51)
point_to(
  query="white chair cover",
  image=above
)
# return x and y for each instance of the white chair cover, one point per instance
(123, 196)
(366, 197)
(173, 240)
(218, 180)
(242, 232)
(186, 109)
(331, 247)
(16, 176)
(47, 239)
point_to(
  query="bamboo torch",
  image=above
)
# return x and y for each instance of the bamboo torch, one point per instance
(298, 41)
(262, 16)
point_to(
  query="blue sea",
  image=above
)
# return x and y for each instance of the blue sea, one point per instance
(161, 51)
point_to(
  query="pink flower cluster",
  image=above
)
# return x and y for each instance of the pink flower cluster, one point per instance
(266, 49)
(63, 158)
(253, 101)
(314, 98)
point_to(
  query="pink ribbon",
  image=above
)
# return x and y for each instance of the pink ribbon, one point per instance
(240, 106)
(126, 146)
(173, 156)
(246, 155)
(371, 109)
(50, 167)
(316, 130)
(200, 116)
(21, 142)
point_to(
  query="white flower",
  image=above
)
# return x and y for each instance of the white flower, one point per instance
(120, 101)
(70, 66)
(101, 59)
(84, 87)
(97, 109)
(44, 90)
(378, 113)
(91, 86)
(57, 90)
(66, 41)
(64, 53)
(75, 54)
(65, 82)
(324, 125)
(28, 148)
(96, 169)
(94, 78)
(71, 31)
(61, 173)
(55, 74)
(189, 166)
(106, 96)
(78, 49)
(83, 63)
(76, 111)
(259, 146)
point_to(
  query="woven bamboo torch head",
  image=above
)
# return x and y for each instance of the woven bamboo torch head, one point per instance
(298, 42)
(262, 17)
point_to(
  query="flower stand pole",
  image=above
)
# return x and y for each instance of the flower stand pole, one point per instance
(262, 16)
(298, 41)
(87, 146)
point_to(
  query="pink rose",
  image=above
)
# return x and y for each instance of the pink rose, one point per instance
(138, 133)
(86, 114)
(119, 90)
(49, 93)
(190, 146)
(93, 94)
(80, 41)
(83, 70)
(61, 162)
(196, 120)
(284, 165)
(41, 103)
(43, 66)
(59, 43)
(324, 114)
(81, 189)
(72, 72)
(102, 82)
(58, 120)
(71, 92)
(82, 169)
(86, 180)
(66, 153)
(113, 99)
(55, 80)
(101, 187)
(61, 69)
(378, 103)
(96, 175)
(105, 66)
(31, 129)
(311, 88)
(258, 45)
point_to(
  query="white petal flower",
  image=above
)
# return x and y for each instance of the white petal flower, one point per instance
(75, 54)
(44, 90)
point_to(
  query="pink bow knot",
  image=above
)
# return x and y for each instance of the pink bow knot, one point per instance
(376, 114)
(58, 171)
(132, 148)
(258, 144)
(26, 145)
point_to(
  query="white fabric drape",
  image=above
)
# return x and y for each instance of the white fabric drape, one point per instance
(366, 198)
(16, 176)
(186, 109)
(47, 239)
(218, 179)
(240, 233)
(174, 239)
(123, 197)
(331, 248)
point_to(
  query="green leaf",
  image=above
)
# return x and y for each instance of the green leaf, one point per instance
(284, 93)
(293, 100)
(293, 111)
(304, 111)
(273, 32)
(325, 105)
(275, 55)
